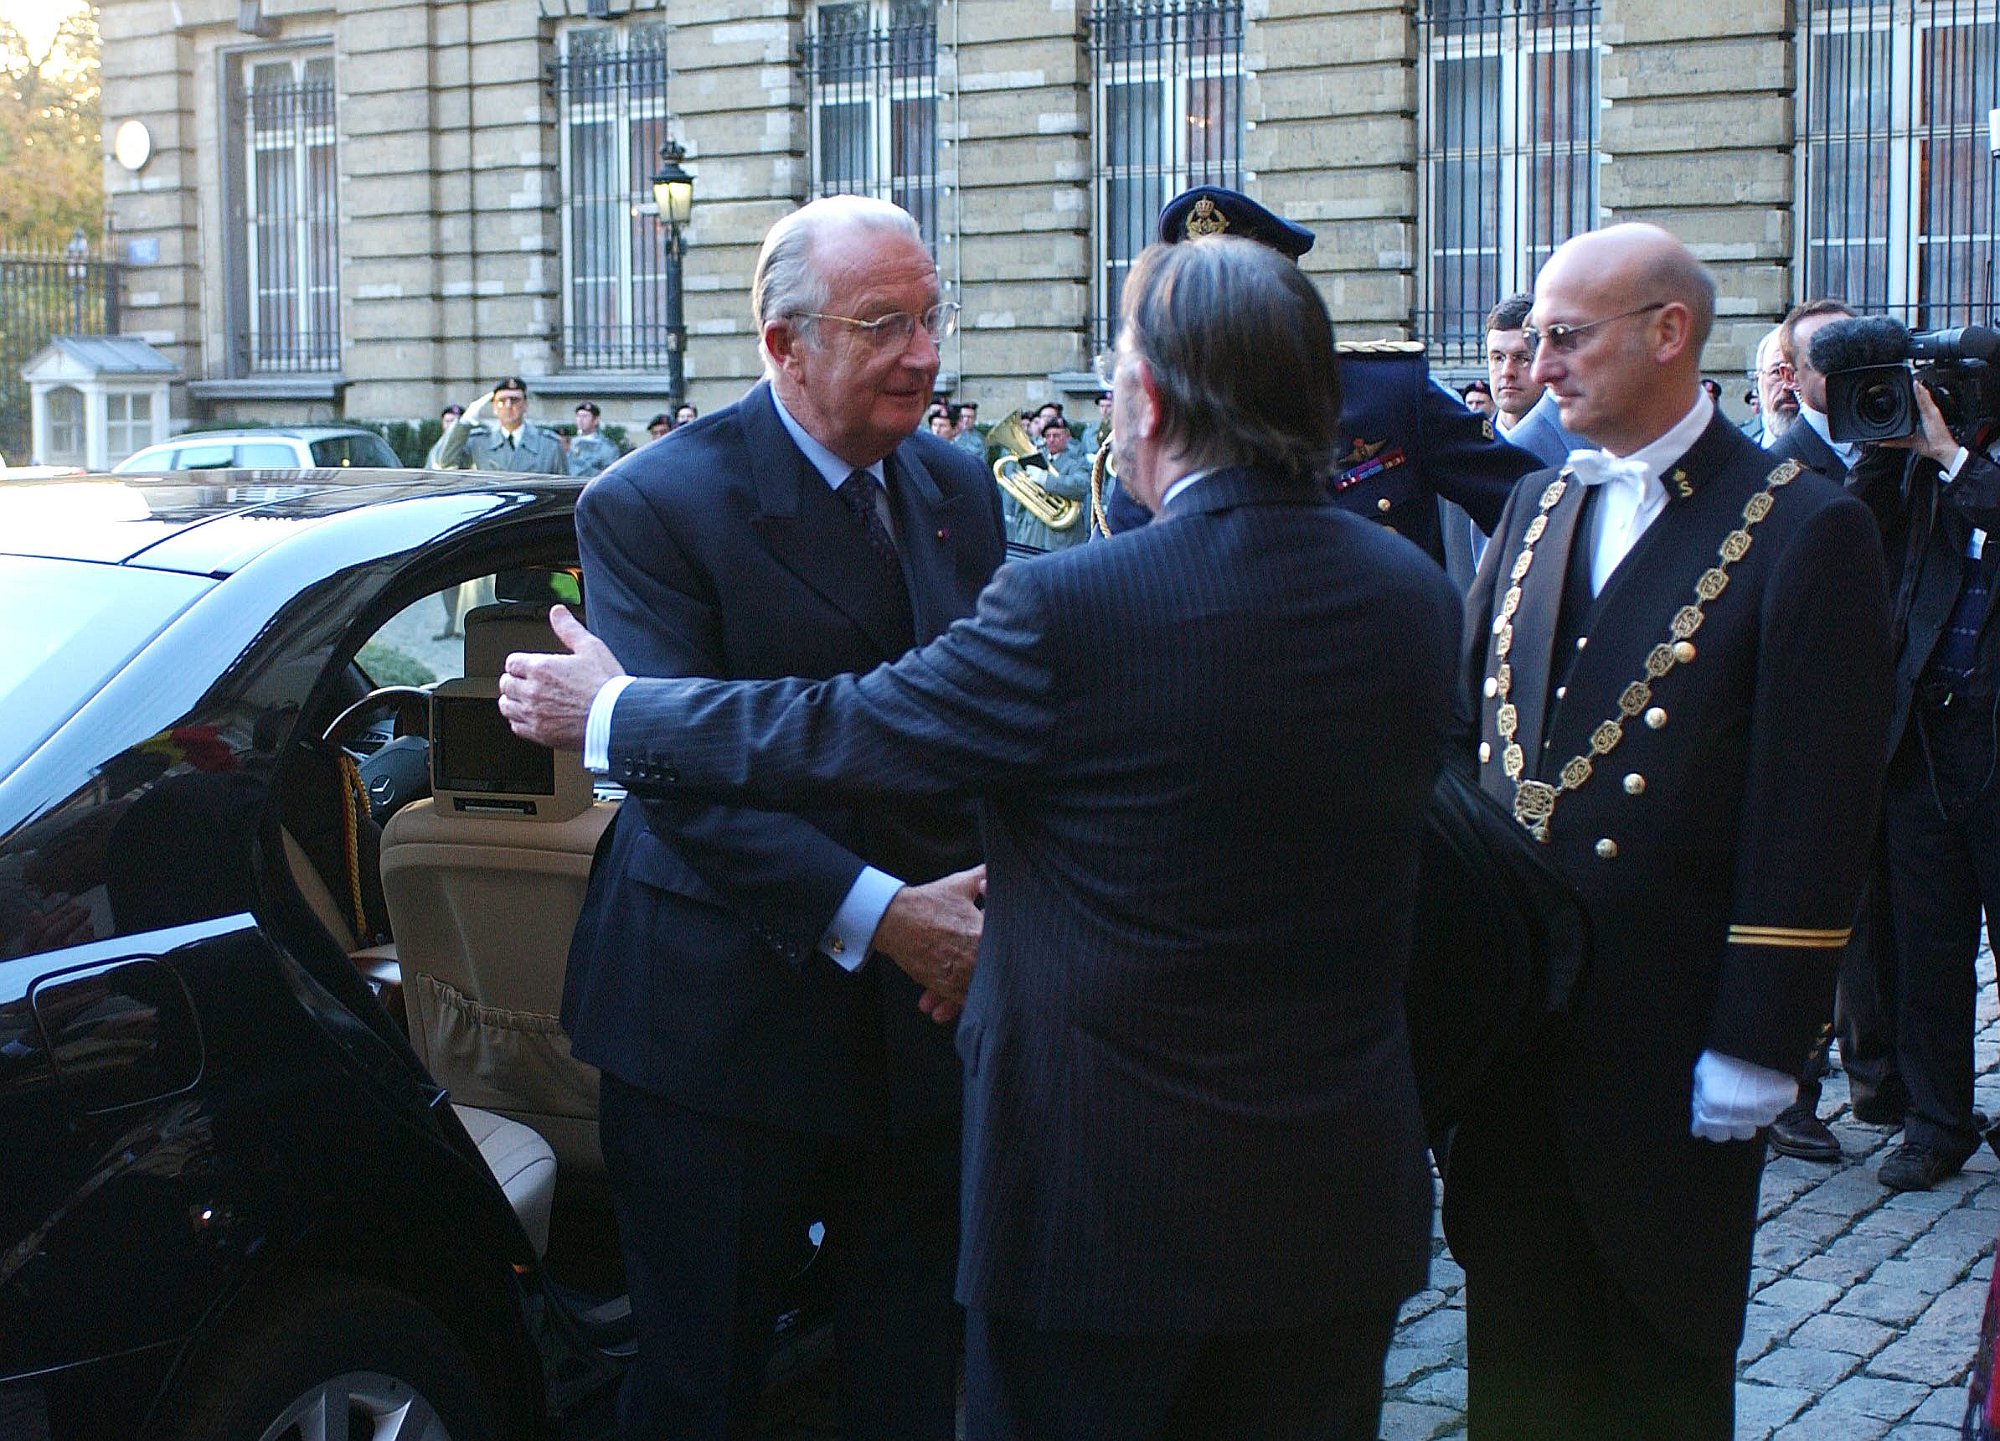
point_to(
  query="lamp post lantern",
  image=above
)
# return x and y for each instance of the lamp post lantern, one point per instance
(673, 201)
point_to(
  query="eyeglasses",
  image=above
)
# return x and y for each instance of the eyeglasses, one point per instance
(895, 329)
(1104, 365)
(1565, 339)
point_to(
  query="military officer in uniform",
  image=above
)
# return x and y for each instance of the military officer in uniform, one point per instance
(591, 451)
(1405, 439)
(512, 443)
(1677, 653)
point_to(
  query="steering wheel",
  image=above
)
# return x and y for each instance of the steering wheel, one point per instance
(400, 771)
(411, 705)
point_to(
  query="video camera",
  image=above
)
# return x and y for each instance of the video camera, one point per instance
(1872, 364)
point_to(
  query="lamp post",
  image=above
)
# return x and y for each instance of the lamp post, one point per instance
(78, 251)
(673, 201)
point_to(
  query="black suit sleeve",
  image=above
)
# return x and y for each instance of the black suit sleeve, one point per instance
(975, 708)
(649, 601)
(1463, 460)
(1819, 720)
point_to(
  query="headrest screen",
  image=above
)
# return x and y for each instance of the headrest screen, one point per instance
(472, 749)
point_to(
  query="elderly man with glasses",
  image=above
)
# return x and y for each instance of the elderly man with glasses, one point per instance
(762, 988)
(1678, 662)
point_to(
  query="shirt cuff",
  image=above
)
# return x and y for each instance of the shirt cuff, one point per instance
(597, 726)
(1957, 463)
(852, 929)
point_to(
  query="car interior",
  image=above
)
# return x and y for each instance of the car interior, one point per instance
(466, 851)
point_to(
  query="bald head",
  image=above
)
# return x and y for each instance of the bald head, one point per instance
(1638, 308)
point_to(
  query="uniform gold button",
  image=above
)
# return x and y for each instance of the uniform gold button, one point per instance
(1656, 718)
(1582, 641)
(1683, 651)
(1485, 752)
(1492, 687)
(1383, 505)
(1635, 784)
(835, 944)
(1607, 849)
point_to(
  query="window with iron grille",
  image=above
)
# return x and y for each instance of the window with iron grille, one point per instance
(1896, 200)
(1508, 116)
(1168, 113)
(611, 106)
(871, 69)
(284, 221)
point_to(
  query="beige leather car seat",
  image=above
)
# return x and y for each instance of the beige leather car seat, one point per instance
(482, 902)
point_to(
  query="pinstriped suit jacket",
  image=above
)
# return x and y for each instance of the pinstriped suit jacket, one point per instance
(1203, 752)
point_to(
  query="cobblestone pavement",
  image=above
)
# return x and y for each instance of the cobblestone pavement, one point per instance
(1864, 1307)
(1864, 1310)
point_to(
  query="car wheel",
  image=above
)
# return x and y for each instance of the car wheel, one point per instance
(328, 1358)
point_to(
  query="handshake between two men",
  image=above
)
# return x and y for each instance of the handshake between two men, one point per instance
(931, 931)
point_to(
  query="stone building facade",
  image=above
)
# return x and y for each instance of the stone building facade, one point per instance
(365, 208)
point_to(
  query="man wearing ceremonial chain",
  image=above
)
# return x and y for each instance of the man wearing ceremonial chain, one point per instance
(1677, 657)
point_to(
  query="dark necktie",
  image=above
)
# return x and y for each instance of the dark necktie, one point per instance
(859, 491)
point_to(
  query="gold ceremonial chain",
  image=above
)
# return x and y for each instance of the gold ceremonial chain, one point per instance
(1100, 469)
(1535, 801)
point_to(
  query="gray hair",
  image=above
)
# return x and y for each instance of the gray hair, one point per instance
(786, 281)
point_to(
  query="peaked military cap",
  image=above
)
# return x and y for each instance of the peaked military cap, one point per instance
(1212, 210)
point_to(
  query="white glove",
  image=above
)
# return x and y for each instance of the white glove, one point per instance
(1734, 1100)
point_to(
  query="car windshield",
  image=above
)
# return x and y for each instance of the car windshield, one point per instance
(88, 621)
(365, 450)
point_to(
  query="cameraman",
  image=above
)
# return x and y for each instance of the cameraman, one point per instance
(1937, 502)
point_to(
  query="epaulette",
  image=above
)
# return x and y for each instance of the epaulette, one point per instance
(1379, 347)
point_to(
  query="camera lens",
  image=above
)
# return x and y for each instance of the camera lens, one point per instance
(1878, 404)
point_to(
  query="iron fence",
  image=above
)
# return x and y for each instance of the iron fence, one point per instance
(46, 293)
(1168, 114)
(1507, 170)
(1897, 209)
(871, 73)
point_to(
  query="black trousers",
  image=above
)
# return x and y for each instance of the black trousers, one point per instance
(1941, 815)
(1315, 1383)
(1555, 1351)
(1864, 1008)
(712, 1219)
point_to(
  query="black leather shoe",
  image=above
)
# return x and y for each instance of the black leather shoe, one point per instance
(1798, 1132)
(1914, 1167)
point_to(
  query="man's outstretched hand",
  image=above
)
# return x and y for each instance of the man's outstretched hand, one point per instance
(932, 932)
(546, 698)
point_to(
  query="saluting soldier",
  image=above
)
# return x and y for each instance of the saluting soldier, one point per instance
(1677, 649)
(1405, 439)
(512, 443)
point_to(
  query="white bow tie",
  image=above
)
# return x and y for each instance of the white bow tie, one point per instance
(1597, 467)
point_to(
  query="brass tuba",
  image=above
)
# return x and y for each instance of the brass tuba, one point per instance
(1011, 471)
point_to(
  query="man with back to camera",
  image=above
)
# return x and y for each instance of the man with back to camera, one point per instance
(1677, 656)
(1407, 441)
(590, 450)
(1195, 1181)
(513, 443)
(739, 975)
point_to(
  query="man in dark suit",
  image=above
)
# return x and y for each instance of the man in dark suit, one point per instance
(1677, 655)
(1862, 1016)
(740, 975)
(1938, 503)
(1405, 441)
(1195, 1185)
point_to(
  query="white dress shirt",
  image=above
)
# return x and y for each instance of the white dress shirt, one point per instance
(1634, 493)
